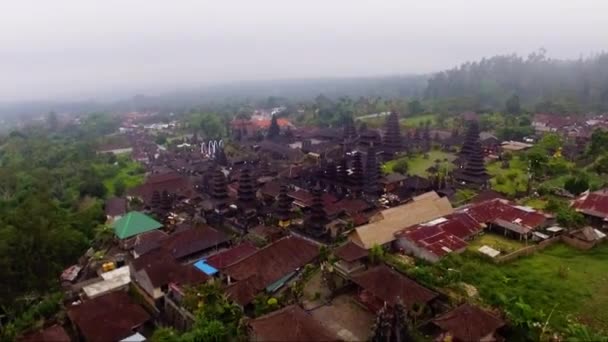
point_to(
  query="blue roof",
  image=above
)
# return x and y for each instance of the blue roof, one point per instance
(205, 268)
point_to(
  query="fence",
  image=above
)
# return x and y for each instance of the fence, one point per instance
(526, 250)
(582, 245)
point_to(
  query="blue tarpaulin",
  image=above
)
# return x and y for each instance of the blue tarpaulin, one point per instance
(205, 268)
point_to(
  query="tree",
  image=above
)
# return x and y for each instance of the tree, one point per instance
(570, 218)
(160, 139)
(92, 187)
(599, 141)
(376, 254)
(512, 105)
(414, 107)
(401, 166)
(119, 187)
(577, 184)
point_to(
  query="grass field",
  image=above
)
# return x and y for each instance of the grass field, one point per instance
(571, 283)
(418, 164)
(130, 172)
(536, 203)
(499, 243)
(414, 121)
(509, 181)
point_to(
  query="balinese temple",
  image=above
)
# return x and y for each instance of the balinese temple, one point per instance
(317, 219)
(274, 130)
(426, 139)
(342, 173)
(330, 174)
(246, 199)
(219, 190)
(166, 202)
(471, 140)
(283, 208)
(246, 192)
(357, 175)
(372, 173)
(367, 137)
(155, 200)
(474, 171)
(392, 139)
(350, 132)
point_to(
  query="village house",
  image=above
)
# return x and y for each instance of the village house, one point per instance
(584, 238)
(544, 123)
(511, 220)
(153, 272)
(468, 323)
(271, 267)
(54, 333)
(594, 206)
(383, 226)
(351, 258)
(435, 239)
(193, 243)
(111, 317)
(382, 285)
(289, 324)
(173, 183)
(131, 225)
(115, 208)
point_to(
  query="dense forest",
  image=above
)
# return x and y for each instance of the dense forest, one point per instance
(51, 191)
(541, 84)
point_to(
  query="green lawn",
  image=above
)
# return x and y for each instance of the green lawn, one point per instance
(418, 164)
(415, 121)
(508, 181)
(499, 243)
(571, 282)
(130, 172)
(536, 203)
(595, 181)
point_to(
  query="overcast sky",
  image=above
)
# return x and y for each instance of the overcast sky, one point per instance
(60, 49)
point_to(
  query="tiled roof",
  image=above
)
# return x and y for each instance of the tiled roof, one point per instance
(243, 292)
(468, 323)
(54, 333)
(350, 252)
(110, 317)
(115, 206)
(145, 242)
(193, 240)
(172, 182)
(274, 261)
(289, 324)
(228, 257)
(391, 286)
(162, 269)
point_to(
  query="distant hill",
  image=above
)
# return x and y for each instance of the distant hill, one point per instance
(541, 83)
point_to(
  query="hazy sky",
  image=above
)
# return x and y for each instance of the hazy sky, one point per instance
(92, 48)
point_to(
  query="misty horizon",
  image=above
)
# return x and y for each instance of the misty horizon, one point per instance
(69, 50)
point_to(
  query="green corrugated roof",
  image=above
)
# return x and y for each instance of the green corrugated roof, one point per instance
(134, 223)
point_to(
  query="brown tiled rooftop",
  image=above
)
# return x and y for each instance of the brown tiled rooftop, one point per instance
(54, 333)
(350, 252)
(468, 323)
(390, 286)
(289, 324)
(228, 257)
(274, 261)
(110, 317)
